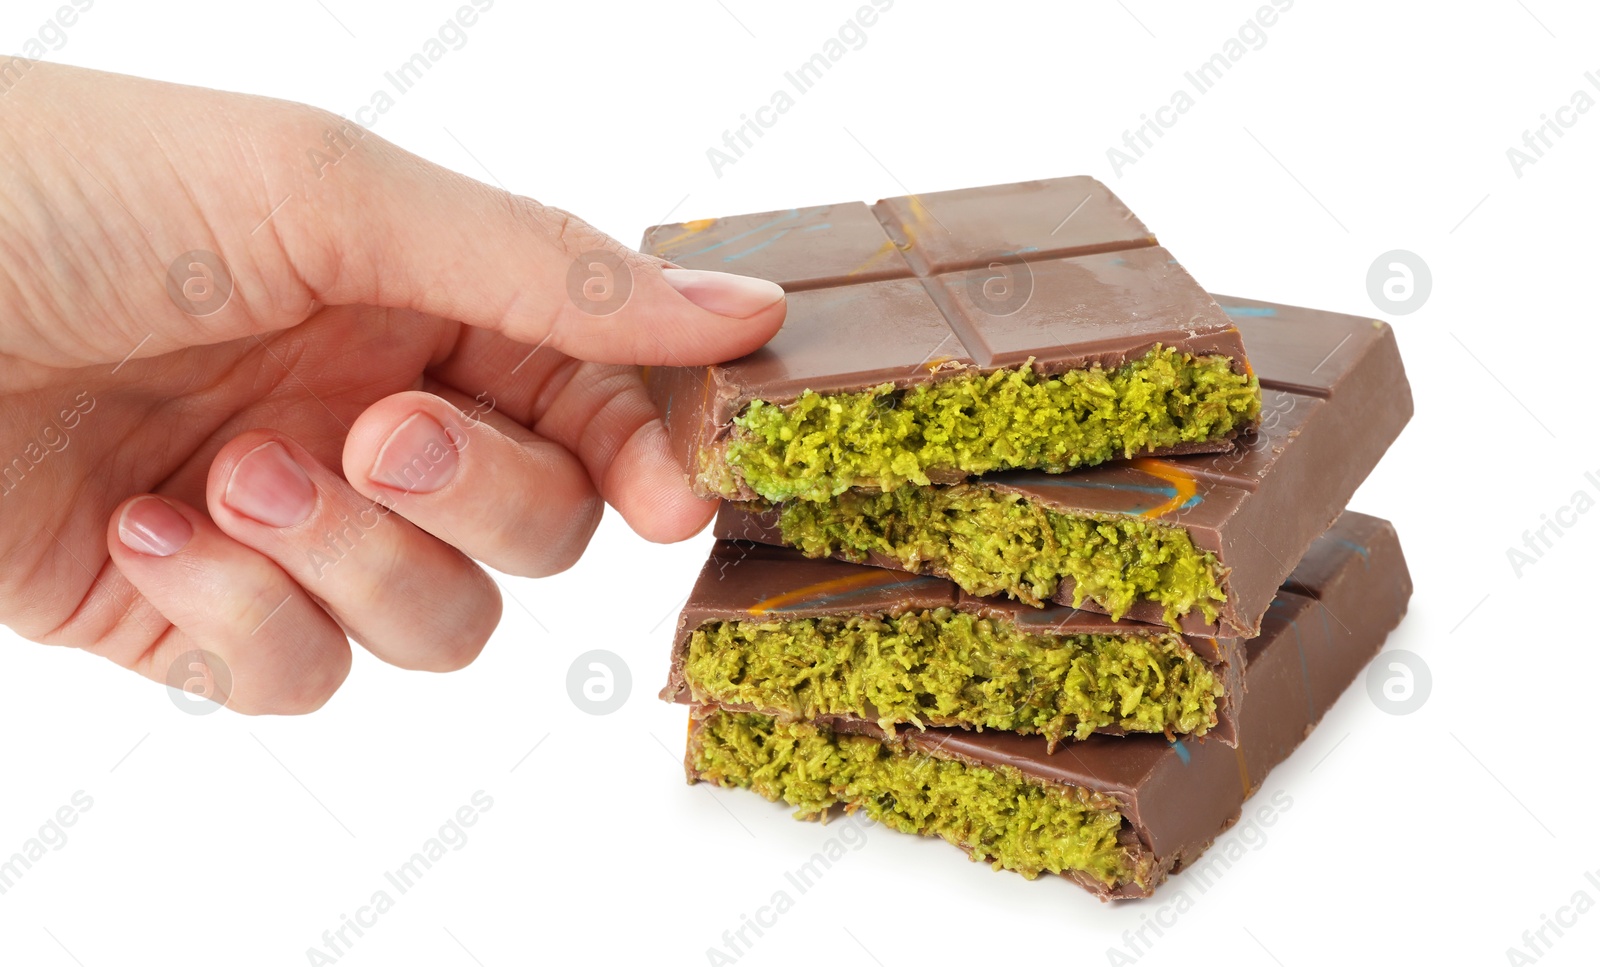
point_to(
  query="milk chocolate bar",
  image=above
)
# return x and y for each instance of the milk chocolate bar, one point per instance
(769, 629)
(934, 337)
(1198, 542)
(1115, 814)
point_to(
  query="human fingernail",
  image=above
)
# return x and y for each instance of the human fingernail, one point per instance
(269, 487)
(419, 456)
(735, 296)
(151, 526)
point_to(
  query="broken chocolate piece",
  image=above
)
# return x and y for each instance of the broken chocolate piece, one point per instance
(935, 337)
(768, 628)
(1198, 542)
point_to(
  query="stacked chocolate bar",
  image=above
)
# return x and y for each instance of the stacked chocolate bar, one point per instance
(1027, 542)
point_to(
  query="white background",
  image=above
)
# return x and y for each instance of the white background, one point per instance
(1360, 127)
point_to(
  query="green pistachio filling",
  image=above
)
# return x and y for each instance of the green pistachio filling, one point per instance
(993, 812)
(820, 445)
(947, 667)
(992, 542)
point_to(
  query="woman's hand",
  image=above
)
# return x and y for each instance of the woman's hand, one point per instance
(268, 380)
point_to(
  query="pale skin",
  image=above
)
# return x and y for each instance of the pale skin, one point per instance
(371, 366)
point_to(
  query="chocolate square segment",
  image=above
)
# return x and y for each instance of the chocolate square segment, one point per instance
(947, 231)
(799, 249)
(1309, 357)
(1007, 311)
(906, 335)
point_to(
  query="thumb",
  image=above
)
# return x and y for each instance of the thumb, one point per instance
(407, 233)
